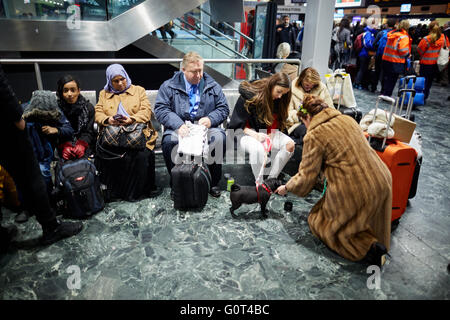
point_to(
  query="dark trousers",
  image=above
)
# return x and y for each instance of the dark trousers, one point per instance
(428, 72)
(129, 178)
(19, 160)
(378, 71)
(216, 138)
(362, 72)
(298, 133)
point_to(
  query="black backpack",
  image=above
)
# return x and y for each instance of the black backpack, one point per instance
(78, 184)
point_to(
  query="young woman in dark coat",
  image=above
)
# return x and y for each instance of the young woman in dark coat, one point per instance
(80, 113)
(261, 112)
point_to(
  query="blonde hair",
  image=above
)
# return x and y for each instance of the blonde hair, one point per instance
(435, 31)
(404, 24)
(190, 57)
(283, 50)
(310, 75)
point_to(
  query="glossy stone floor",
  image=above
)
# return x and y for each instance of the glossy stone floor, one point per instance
(148, 250)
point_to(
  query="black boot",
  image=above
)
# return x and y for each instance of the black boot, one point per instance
(376, 254)
(60, 230)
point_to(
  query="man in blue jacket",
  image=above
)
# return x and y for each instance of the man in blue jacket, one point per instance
(365, 55)
(192, 95)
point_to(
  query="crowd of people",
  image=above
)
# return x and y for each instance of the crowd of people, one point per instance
(381, 53)
(273, 110)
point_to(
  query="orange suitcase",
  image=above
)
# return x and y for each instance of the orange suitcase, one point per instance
(400, 158)
(401, 161)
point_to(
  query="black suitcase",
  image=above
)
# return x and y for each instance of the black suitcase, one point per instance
(191, 183)
(78, 186)
(355, 113)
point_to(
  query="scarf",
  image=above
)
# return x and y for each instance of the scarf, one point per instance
(77, 114)
(113, 71)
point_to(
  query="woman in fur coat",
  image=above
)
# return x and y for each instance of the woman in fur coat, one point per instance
(353, 218)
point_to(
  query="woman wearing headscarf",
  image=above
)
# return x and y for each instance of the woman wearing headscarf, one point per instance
(80, 113)
(353, 218)
(129, 177)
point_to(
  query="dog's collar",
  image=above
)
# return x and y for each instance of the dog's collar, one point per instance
(265, 188)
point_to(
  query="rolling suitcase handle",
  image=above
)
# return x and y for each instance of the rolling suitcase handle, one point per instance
(402, 92)
(342, 88)
(393, 102)
(405, 87)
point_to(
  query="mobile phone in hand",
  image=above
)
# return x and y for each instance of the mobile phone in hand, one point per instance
(119, 117)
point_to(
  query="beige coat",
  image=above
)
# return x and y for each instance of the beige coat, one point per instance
(297, 98)
(136, 104)
(356, 209)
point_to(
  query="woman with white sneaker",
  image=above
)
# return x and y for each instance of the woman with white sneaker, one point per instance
(261, 112)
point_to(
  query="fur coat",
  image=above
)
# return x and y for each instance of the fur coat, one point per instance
(357, 206)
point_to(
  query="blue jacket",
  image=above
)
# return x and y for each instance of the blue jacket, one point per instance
(172, 103)
(368, 41)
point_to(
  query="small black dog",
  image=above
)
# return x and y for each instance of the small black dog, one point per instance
(249, 195)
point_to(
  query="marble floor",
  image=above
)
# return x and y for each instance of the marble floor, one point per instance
(148, 250)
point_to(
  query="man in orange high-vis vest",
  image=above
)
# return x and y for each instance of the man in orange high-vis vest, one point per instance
(428, 49)
(397, 50)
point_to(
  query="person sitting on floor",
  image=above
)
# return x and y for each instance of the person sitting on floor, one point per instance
(353, 218)
(129, 174)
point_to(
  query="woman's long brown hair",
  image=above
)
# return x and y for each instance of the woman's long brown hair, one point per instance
(435, 31)
(263, 101)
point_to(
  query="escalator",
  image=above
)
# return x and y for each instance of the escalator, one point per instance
(69, 30)
(109, 30)
(161, 49)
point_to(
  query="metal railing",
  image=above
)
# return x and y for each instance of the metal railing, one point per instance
(203, 40)
(210, 37)
(37, 62)
(227, 25)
